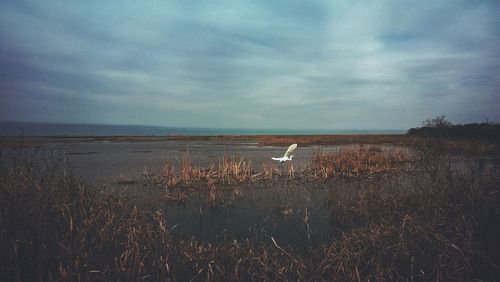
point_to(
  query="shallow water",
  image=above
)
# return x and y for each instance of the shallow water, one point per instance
(278, 210)
(294, 213)
(111, 161)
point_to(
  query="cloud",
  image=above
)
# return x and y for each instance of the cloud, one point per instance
(293, 64)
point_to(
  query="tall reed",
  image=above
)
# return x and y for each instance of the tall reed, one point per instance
(53, 226)
(356, 160)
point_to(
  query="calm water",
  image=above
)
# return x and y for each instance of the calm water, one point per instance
(59, 129)
(297, 214)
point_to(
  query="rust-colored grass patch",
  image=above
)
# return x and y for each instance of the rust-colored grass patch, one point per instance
(55, 227)
(228, 170)
(357, 160)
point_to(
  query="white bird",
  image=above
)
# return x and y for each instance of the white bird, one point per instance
(287, 156)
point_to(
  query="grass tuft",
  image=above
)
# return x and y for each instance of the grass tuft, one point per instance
(54, 226)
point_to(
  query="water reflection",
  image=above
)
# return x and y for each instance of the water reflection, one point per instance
(297, 214)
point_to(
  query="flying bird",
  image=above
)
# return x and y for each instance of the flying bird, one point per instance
(287, 156)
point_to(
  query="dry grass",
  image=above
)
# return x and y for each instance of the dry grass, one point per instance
(349, 161)
(337, 139)
(227, 171)
(53, 226)
(178, 177)
(448, 145)
(357, 160)
(262, 140)
(442, 229)
(458, 146)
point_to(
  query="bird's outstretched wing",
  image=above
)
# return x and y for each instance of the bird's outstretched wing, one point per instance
(290, 150)
(276, 159)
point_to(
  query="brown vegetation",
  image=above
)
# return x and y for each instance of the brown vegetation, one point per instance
(353, 161)
(473, 146)
(263, 140)
(53, 226)
(348, 161)
(341, 139)
(227, 171)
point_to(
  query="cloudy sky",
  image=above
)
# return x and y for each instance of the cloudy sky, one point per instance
(250, 64)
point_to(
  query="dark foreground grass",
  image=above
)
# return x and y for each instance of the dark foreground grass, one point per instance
(53, 226)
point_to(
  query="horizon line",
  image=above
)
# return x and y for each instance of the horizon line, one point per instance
(219, 128)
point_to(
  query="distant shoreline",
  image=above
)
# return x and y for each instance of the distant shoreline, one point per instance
(260, 140)
(35, 129)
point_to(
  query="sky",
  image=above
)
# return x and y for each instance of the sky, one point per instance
(349, 64)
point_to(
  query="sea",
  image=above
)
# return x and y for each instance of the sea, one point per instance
(10, 128)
